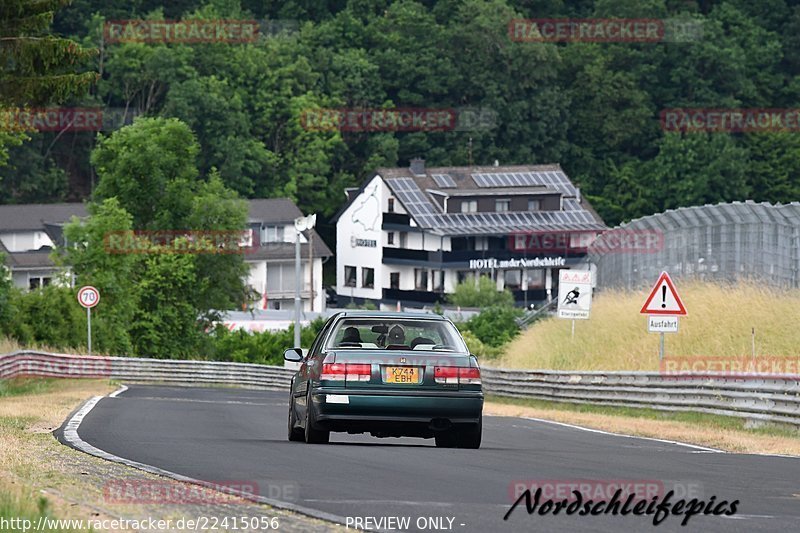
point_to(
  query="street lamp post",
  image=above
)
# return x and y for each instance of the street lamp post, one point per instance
(301, 224)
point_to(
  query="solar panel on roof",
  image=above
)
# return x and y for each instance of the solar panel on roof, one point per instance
(420, 207)
(444, 181)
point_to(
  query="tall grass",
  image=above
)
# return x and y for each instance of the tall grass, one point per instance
(719, 324)
(14, 507)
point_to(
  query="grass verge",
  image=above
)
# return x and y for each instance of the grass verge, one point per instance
(722, 432)
(30, 408)
(41, 477)
(20, 513)
(720, 323)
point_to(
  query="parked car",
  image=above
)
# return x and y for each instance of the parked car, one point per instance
(389, 375)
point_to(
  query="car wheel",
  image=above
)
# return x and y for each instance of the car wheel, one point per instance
(295, 433)
(446, 439)
(312, 435)
(470, 436)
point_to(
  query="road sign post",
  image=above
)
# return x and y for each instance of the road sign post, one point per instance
(576, 302)
(663, 306)
(88, 297)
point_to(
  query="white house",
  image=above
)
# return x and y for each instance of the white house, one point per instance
(28, 234)
(272, 261)
(411, 234)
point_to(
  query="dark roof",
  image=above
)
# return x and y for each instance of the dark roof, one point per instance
(48, 217)
(32, 217)
(273, 210)
(462, 176)
(414, 191)
(34, 259)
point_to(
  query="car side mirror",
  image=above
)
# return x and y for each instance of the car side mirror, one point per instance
(294, 355)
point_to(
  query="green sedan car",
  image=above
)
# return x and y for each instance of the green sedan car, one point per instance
(389, 375)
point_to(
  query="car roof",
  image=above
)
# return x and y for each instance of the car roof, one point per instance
(360, 313)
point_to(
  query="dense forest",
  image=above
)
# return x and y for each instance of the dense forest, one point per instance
(592, 107)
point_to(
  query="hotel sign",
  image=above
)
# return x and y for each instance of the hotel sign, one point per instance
(537, 262)
(363, 243)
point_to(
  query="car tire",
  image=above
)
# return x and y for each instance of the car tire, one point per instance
(313, 435)
(295, 433)
(470, 436)
(446, 439)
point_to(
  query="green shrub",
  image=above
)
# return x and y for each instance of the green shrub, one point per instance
(50, 316)
(264, 347)
(495, 326)
(478, 348)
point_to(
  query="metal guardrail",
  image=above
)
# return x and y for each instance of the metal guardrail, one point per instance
(141, 370)
(771, 398)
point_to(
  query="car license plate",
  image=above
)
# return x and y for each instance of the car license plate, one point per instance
(402, 374)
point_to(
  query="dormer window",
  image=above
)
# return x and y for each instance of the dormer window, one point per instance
(534, 205)
(271, 234)
(502, 206)
(469, 206)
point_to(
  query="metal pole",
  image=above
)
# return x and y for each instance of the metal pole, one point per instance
(661, 348)
(89, 328)
(311, 268)
(297, 280)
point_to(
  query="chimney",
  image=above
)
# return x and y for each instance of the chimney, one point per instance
(578, 194)
(417, 166)
(497, 162)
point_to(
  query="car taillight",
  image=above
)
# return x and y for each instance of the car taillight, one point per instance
(346, 371)
(456, 374)
(469, 376)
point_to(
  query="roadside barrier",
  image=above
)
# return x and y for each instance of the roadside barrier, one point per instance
(771, 398)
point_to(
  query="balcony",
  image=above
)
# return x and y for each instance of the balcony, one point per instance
(403, 254)
(416, 297)
(396, 219)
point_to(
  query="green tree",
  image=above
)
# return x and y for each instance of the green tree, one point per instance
(36, 68)
(49, 316)
(95, 259)
(165, 324)
(151, 168)
(696, 169)
(220, 286)
(774, 171)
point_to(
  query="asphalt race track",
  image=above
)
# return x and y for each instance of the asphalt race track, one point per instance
(227, 434)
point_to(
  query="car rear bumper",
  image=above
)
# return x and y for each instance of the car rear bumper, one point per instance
(395, 411)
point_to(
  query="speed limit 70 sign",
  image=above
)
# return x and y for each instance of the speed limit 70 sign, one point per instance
(88, 296)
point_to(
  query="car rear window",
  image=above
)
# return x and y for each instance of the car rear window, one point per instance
(396, 334)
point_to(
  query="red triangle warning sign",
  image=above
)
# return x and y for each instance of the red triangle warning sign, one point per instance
(663, 299)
